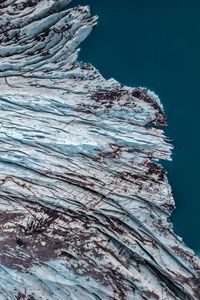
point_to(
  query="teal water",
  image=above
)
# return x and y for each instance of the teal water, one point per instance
(156, 44)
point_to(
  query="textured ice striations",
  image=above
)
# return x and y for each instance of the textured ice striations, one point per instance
(84, 206)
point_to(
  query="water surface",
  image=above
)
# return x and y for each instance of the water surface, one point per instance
(156, 44)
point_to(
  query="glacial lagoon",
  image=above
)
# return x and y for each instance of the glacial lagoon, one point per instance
(156, 44)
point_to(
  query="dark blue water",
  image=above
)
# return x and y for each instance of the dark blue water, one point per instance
(157, 44)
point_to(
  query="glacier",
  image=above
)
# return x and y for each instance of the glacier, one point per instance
(85, 203)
